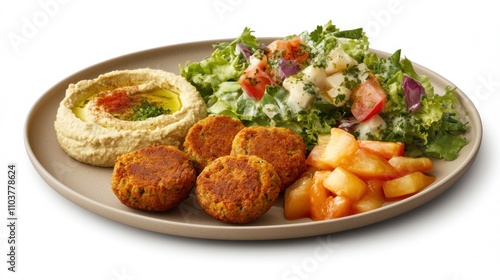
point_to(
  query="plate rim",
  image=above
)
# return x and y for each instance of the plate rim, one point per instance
(248, 232)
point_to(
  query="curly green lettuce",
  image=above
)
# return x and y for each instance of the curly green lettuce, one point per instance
(225, 64)
(434, 130)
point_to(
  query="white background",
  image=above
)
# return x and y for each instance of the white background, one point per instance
(453, 237)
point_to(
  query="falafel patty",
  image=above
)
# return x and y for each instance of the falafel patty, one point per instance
(237, 189)
(211, 138)
(281, 147)
(154, 178)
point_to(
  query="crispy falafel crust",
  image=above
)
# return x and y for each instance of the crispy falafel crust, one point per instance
(281, 147)
(154, 178)
(211, 138)
(237, 189)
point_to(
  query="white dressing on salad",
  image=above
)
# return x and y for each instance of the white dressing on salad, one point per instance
(308, 82)
(371, 128)
(315, 75)
(300, 95)
(337, 94)
(337, 91)
(338, 60)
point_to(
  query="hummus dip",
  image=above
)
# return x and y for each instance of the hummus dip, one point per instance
(122, 111)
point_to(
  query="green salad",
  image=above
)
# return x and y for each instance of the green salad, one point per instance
(314, 81)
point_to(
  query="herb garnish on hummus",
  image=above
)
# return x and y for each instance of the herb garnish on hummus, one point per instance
(122, 111)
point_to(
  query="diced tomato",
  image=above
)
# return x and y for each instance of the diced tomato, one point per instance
(255, 80)
(277, 48)
(292, 49)
(382, 148)
(368, 99)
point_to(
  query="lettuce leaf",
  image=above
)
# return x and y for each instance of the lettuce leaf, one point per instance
(435, 130)
(225, 64)
(327, 37)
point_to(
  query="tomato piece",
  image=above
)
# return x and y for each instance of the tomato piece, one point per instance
(277, 48)
(291, 49)
(255, 80)
(368, 99)
(385, 149)
(295, 50)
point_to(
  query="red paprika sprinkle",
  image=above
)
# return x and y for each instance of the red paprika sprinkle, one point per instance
(115, 101)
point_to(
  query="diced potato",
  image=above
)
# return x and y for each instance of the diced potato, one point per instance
(318, 195)
(314, 158)
(407, 185)
(368, 165)
(375, 186)
(346, 176)
(310, 170)
(341, 144)
(298, 98)
(315, 75)
(371, 126)
(335, 91)
(338, 60)
(297, 202)
(339, 96)
(405, 165)
(385, 149)
(335, 80)
(337, 207)
(344, 183)
(372, 199)
(367, 202)
(323, 139)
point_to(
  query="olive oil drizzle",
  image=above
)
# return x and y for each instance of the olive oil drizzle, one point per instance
(141, 106)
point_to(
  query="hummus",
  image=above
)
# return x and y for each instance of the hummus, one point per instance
(122, 111)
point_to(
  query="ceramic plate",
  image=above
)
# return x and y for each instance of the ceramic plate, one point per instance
(89, 186)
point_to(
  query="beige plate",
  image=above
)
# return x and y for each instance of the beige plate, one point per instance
(89, 186)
